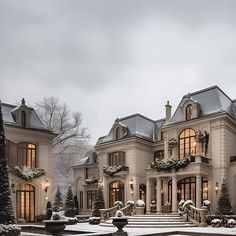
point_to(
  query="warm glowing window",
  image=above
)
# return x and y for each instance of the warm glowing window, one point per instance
(25, 202)
(187, 144)
(116, 159)
(159, 155)
(116, 192)
(189, 109)
(26, 155)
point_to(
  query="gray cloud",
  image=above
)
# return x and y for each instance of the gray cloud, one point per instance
(112, 58)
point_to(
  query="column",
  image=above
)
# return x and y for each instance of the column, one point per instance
(198, 191)
(159, 210)
(148, 191)
(174, 194)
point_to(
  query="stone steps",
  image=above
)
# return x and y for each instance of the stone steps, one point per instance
(154, 221)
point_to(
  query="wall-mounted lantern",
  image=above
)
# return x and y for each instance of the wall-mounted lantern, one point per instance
(131, 184)
(46, 185)
(217, 187)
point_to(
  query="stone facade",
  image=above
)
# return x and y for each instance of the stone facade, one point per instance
(199, 136)
(28, 143)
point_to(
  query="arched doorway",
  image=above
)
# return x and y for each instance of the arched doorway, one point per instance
(25, 202)
(116, 192)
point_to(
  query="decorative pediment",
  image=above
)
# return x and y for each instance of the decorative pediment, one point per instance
(190, 108)
(22, 114)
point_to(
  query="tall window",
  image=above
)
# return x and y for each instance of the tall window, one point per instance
(23, 119)
(25, 202)
(91, 196)
(116, 158)
(159, 155)
(81, 199)
(204, 189)
(187, 189)
(26, 155)
(187, 144)
(116, 192)
(189, 110)
(11, 153)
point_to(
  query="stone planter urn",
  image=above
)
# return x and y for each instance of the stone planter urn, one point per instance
(139, 210)
(55, 227)
(120, 222)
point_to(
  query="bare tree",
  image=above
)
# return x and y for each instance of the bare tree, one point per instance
(59, 119)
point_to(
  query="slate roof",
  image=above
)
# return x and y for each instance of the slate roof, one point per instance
(137, 126)
(212, 100)
(8, 117)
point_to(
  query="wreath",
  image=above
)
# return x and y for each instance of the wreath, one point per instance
(170, 164)
(28, 173)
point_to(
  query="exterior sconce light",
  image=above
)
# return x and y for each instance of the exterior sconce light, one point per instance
(217, 187)
(46, 185)
(131, 184)
(178, 191)
(100, 184)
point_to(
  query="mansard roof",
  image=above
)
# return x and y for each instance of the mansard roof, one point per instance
(9, 118)
(137, 125)
(212, 100)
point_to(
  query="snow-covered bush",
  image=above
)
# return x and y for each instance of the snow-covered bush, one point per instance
(216, 223)
(206, 203)
(9, 230)
(140, 203)
(119, 204)
(231, 223)
(119, 214)
(93, 220)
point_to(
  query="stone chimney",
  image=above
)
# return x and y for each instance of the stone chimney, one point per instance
(168, 111)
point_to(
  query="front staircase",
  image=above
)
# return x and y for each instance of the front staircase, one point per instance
(154, 221)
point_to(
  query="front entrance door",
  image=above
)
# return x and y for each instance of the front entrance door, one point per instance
(116, 192)
(25, 202)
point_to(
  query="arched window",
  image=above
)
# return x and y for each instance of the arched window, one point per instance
(23, 119)
(189, 109)
(26, 155)
(116, 192)
(117, 133)
(187, 144)
(116, 158)
(25, 202)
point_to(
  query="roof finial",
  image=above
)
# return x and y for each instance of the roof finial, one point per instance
(22, 101)
(188, 95)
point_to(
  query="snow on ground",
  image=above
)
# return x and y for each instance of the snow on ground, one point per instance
(96, 229)
(145, 231)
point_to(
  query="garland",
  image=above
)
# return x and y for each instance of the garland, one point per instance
(112, 170)
(170, 164)
(28, 173)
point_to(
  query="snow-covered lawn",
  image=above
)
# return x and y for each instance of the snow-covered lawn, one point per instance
(144, 231)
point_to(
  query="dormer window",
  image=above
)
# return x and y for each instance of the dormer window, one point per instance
(23, 119)
(189, 112)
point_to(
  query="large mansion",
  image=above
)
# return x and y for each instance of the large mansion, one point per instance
(185, 155)
(29, 151)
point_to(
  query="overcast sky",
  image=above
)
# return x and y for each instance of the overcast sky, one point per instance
(113, 58)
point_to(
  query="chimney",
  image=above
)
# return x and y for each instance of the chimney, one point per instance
(168, 111)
